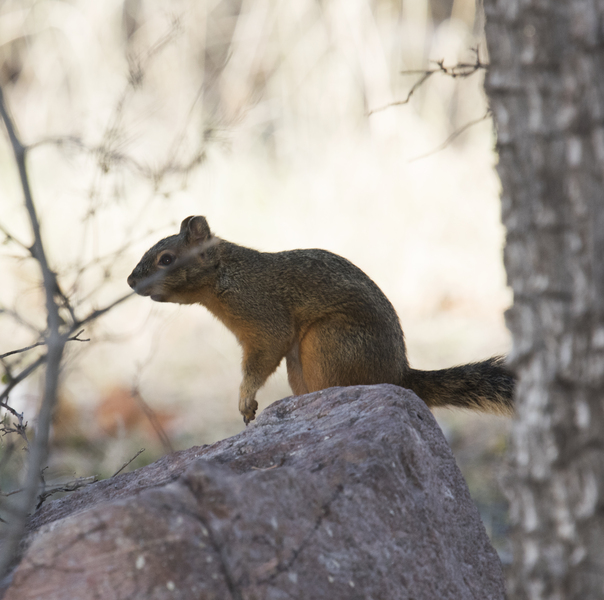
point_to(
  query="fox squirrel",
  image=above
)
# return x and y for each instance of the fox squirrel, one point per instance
(333, 325)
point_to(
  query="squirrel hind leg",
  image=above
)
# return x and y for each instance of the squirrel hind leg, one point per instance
(337, 352)
(295, 375)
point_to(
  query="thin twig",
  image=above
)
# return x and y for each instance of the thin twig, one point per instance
(20, 427)
(11, 493)
(20, 350)
(460, 70)
(128, 462)
(14, 381)
(70, 486)
(453, 136)
(11, 237)
(105, 155)
(95, 314)
(77, 269)
(157, 426)
(426, 75)
(74, 338)
(17, 317)
(108, 157)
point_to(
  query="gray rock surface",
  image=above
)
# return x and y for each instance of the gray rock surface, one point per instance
(347, 493)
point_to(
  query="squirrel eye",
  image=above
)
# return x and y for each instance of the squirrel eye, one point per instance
(166, 259)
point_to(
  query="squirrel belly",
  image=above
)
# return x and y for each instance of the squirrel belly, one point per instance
(328, 319)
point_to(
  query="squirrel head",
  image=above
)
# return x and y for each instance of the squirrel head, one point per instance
(178, 267)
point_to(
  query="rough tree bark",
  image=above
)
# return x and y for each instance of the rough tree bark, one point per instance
(546, 88)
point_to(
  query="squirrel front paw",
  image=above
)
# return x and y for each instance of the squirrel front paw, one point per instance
(248, 407)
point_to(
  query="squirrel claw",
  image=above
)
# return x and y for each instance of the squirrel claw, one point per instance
(248, 419)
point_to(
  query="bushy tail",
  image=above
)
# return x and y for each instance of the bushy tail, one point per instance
(487, 386)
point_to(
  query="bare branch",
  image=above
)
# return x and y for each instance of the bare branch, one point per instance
(70, 486)
(77, 269)
(17, 317)
(74, 338)
(14, 381)
(425, 76)
(55, 343)
(20, 350)
(10, 237)
(95, 314)
(12, 493)
(150, 414)
(107, 157)
(62, 324)
(460, 70)
(128, 462)
(19, 427)
(453, 136)
(37, 250)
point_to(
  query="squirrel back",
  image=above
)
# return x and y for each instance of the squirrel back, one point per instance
(330, 321)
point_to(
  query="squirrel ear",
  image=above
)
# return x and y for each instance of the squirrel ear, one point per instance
(185, 224)
(195, 229)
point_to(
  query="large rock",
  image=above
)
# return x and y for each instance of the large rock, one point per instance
(341, 494)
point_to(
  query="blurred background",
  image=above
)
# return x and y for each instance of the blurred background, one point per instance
(275, 121)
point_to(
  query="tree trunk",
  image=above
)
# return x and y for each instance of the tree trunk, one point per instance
(546, 88)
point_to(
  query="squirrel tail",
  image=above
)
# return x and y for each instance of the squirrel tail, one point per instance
(486, 386)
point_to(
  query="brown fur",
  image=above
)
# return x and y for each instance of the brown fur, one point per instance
(332, 324)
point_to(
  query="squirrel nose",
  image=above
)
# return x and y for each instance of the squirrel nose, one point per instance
(131, 281)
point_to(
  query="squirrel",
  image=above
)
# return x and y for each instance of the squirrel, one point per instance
(330, 321)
